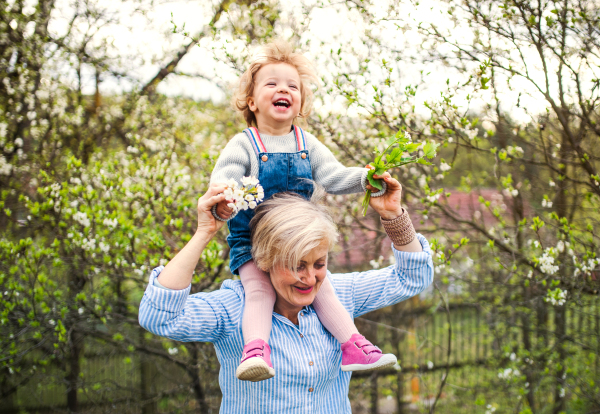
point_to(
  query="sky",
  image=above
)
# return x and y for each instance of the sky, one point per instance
(149, 42)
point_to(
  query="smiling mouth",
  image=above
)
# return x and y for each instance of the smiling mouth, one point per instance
(282, 103)
(304, 290)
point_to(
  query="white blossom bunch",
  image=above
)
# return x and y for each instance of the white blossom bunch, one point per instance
(244, 197)
(546, 263)
(556, 297)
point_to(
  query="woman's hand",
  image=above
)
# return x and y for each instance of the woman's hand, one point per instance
(388, 205)
(206, 222)
(177, 274)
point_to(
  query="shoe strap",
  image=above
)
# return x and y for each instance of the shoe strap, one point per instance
(366, 346)
(255, 351)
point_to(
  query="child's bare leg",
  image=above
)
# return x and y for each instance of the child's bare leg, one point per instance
(260, 299)
(334, 317)
(256, 324)
(358, 354)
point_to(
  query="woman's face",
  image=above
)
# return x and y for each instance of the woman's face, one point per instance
(293, 294)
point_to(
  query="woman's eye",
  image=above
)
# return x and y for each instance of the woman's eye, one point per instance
(319, 265)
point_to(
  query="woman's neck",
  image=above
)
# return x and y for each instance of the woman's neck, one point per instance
(286, 310)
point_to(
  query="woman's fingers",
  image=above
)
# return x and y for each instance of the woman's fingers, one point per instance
(213, 195)
(206, 202)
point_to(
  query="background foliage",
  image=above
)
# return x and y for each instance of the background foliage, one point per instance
(98, 185)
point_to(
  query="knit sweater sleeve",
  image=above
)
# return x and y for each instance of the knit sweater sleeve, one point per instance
(330, 173)
(234, 161)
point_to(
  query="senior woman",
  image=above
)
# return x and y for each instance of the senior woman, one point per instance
(291, 237)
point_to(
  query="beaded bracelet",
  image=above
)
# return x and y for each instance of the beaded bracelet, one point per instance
(213, 210)
(400, 230)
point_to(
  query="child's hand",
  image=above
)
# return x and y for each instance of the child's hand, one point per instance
(223, 211)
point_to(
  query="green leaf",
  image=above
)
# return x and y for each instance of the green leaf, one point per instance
(411, 147)
(375, 183)
(394, 154)
(430, 149)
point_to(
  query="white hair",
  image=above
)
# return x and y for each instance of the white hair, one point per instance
(286, 227)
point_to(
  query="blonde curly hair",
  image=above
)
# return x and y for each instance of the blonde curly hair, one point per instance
(275, 52)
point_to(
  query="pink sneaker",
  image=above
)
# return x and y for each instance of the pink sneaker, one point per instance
(358, 354)
(256, 362)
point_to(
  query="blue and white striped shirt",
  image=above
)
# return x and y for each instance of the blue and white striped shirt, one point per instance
(306, 358)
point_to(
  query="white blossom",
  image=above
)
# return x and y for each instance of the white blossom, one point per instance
(546, 264)
(245, 197)
(5, 167)
(82, 218)
(556, 297)
(104, 247)
(445, 167)
(508, 373)
(110, 223)
(471, 133)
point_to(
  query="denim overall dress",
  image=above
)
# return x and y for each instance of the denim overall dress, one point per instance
(277, 172)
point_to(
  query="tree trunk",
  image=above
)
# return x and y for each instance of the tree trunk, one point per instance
(194, 373)
(561, 325)
(397, 339)
(147, 374)
(374, 394)
(76, 349)
(526, 330)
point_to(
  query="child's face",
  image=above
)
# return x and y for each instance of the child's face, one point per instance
(277, 98)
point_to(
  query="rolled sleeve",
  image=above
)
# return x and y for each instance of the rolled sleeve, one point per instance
(175, 314)
(363, 292)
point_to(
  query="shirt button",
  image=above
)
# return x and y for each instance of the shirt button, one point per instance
(264, 158)
(311, 363)
(301, 336)
(310, 390)
(303, 156)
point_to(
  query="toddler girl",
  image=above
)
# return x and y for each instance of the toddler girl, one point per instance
(272, 93)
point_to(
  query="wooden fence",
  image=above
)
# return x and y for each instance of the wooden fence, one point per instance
(418, 334)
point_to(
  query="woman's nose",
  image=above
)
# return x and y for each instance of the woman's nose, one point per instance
(309, 276)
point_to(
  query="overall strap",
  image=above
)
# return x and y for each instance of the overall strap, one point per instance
(254, 137)
(300, 138)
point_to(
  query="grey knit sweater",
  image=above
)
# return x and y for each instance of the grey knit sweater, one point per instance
(238, 159)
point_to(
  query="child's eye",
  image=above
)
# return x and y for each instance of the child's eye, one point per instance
(293, 87)
(271, 84)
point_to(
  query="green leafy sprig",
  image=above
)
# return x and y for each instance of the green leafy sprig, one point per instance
(397, 154)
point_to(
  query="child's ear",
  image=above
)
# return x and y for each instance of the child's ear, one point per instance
(251, 104)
